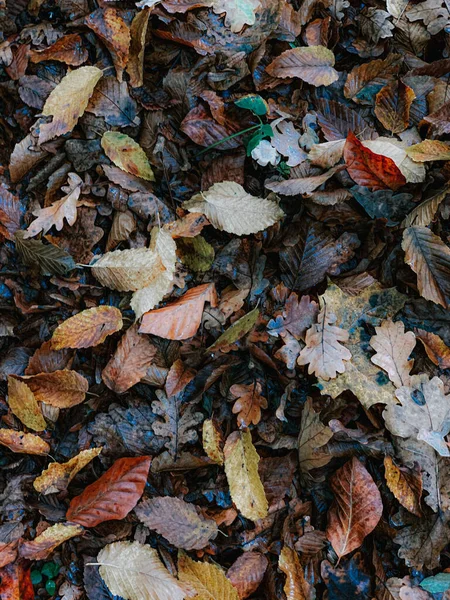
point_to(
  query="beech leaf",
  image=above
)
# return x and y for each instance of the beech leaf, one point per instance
(44, 544)
(23, 404)
(313, 64)
(88, 328)
(126, 154)
(62, 389)
(57, 476)
(207, 580)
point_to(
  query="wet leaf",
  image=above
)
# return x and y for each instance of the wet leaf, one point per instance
(44, 544)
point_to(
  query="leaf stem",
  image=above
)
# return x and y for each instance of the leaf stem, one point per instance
(230, 137)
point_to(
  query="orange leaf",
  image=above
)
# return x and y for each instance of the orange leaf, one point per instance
(181, 319)
(24, 405)
(178, 377)
(435, 347)
(88, 328)
(356, 510)
(57, 476)
(110, 27)
(69, 49)
(51, 538)
(369, 169)
(405, 484)
(15, 583)
(23, 443)
(248, 407)
(62, 389)
(130, 363)
(113, 495)
(392, 106)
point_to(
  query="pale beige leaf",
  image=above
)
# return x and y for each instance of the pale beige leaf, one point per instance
(301, 185)
(393, 347)
(230, 208)
(135, 572)
(238, 12)
(212, 441)
(127, 270)
(326, 155)
(207, 581)
(241, 468)
(424, 213)
(313, 64)
(57, 476)
(68, 101)
(412, 171)
(323, 352)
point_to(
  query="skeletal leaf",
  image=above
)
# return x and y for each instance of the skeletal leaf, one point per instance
(88, 328)
(23, 443)
(230, 208)
(177, 521)
(46, 542)
(126, 154)
(207, 581)
(135, 572)
(314, 435)
(23, 404)
(57, 476)
(62, 389)
(393, 347)
(68, 101)
(406, 485)
(241, 468)
(313, 64)
(212, 441)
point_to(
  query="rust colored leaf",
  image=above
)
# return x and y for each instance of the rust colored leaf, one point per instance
(44, 544)
(249, 404)
(57, 476)
(366, 80)
(204, 130)
(23, 443)
(392, 106)
(108, 24)
(69, 49)
(15, 582)
(296, 586)
(47, 360)
(10, 534)
(371, 170)
(112, 496)
(131, 360)
(405, 484)
(180, 320)
(23, 404)
(178, 377)
(88, 328)
(356, 510)
(435, 347)
(62, 389)
(138, 32)
(188, 226)
(247, 572)
(9, 213)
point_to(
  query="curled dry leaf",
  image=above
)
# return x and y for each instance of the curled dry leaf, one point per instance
(207, 581)
(62, 389)
(57, 476)
(406, 485)
(44, 544)
(393, 347)
(69, 49)
(212, 441)
(112, 496)
(178, 521)
(249, 404)
(108, 24)
(88, 328)
(296, 586)
(437, 350)
(181, 319)
(241, 468)
(126, 154)
(24, 405)
(313, 64)
(247, 572)
(23, 443)
(138, 33)
(356, 510)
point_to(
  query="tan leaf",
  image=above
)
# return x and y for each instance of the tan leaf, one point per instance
(44, 544)
(212, 441)
(108, 24)
(247, 572)
(429, 258)
(126, 270)
(406, 485)
(62, 389)
(323, 352)
(230, 208)
(356, 510)
(23, 443)
(178, 521)
(302, 185)
(392, 106)
(393, 347)
(207, 581)
(57, 476)
(181, 319)
(296, 586)
(326, 155)
(313, 64)
(123, 225)
(249, 404)
(68, 101)
(126, 154)
(88, 328)
(423, 214)
(131, 360)
(241, 468)
(313, 436)
(138, 32)
(135, 572)
(437, 350)
(238, 12)
(429, 150)
(24, 157)
(373, 75)
(23, 404)
(178, 377)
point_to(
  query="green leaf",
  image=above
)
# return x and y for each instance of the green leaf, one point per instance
(254, 103)
(50, 587)
(266, 131)
(253, 142)
(36, 577)
(436, 584)
(195, 253)
(50, 570)
(49, 258)
(237, 330)
(126, 154)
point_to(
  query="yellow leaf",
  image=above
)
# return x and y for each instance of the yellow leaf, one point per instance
(212, 441)
(126, 154)
(207, 581)
(23, 443)
(68, 101)
(241, 468)
(405, 484)
(24, 405)
(429, 150)
(88, 328)
(57, 476)
(51, 538)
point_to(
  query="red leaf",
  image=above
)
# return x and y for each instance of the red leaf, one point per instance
(113, 495)
(15, 583)
(369, 169)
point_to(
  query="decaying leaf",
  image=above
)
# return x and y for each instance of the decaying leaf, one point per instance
(23, 443)
(23, 404)
(88, 328)
(393, 347)
(296, 586)
(111, 28)
(392, 106)
(238, 12)
(57, 476)
(429, 150)
(437, 350)
(237, 331)
(314, 435)
(127, 154)
(62, 389)
(44, 544)
(212, 441)
(206, 580)
(406, 485)
(247, 572)
(313, 64)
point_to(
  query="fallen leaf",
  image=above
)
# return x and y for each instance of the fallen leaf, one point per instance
(241, 468)
(112, 496)
(437, 350)
(126, 154)
(296, 586)
(62, 389)
(134, 571)
(314, 435)
(69, 49)
(50, 259)
(228, 207)
(44, 544)
(356, 510)
(237, 331)
(24, 157)
(429, 150)
(207, 581)
(302, 185)
(238, 12)
(249, 404)
(247, 572)
(212, 441)
(23, 404)
(313, 64)
(422, 541)
(138, 33)
(23, 443)
(178, 521)
(366, 80)
(422, 215)
(10, 213)
(88, 328)
(392, 106)
(393, 347)
(178, 377)
(57, 476)
(16, 582)
(406, 485)
(108, 24)
(10, 536)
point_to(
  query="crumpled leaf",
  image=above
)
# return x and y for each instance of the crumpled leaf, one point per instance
(241, 468)
(314, 435)
(134, 571)
(313, 64)
(57, 476)
(228, 207)
(211, 440)
(424, 413)
(206, 580)
(422, 541)
(178, 521)
(393, 347)
(126, 154)
(249, 404)
(297, 317)
(88, 328)
(265, 153)
(112, 496)
(109, 25)
(44, 544)
(374, 24)
(23, 443)
(356, 510)
(286, 141)
(433, 13)
(62, 389)
(23, 404)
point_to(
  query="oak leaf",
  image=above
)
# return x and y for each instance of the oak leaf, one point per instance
(314, 435)
(228, 207)
(393, 347)
(207, 581)
(178, 521)
(356, 510)
(296, 586)
(88, 328)
(130, 362)
(109, 25)
(44, 544)
(57, 476)
(238, 12)
(297, 317)
(24, 405)
(429, 258)
(406, 485)
(212, 441)
(112, 496)
(181, 319)
(241, 468)
(429, 150)
(249, 404)
(422, 541)
(62, 389)
(313, 64)
(134, 571)
(23, 443)
(68, 101)
(392, 104)
(126, 154)
(323, 352)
